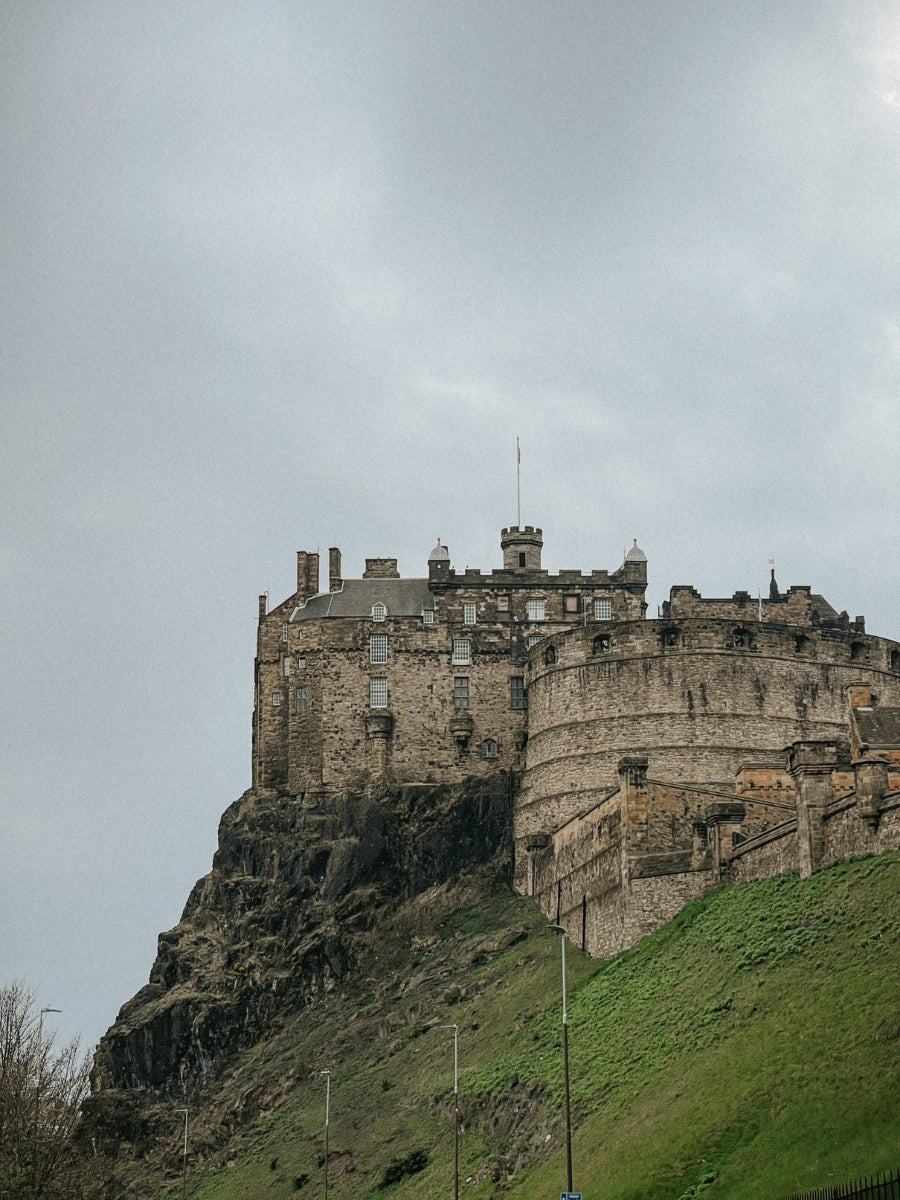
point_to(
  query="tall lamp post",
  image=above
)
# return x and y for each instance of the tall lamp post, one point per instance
(184, 1154)
(565, 1041)
(327, 1075)
(39, 1074)
(455, 1029)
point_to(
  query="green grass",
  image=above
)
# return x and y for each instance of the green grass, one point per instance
(749, 1049)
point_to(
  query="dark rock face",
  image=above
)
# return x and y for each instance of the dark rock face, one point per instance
(281, 920)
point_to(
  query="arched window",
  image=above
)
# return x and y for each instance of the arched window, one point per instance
(488, 748)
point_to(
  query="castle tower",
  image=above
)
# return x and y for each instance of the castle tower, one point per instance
(521, 548)
(635, 565)
(439, 564)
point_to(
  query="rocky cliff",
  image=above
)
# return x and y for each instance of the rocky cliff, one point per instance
(295, 905)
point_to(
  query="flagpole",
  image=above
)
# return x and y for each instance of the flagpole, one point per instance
(518, 486)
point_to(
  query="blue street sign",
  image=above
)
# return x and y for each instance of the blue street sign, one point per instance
(570, 1196)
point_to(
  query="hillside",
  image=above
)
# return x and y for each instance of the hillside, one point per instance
(748, 1049)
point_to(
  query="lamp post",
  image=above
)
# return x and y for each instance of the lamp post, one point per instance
(327, 1075)
(184, 1154)
(39, 1074)
(565, 1041)
(455, 1029)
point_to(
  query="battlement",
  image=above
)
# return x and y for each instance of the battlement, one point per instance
(798, 606)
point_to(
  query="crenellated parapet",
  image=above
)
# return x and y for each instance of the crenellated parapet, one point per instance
(703, 696)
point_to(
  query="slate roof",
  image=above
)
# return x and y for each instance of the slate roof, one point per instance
(878, 726)
(826, 612)
(402, 598)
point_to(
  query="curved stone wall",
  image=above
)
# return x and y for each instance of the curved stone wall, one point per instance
(698, 696)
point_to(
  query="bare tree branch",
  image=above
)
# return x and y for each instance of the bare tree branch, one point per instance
(41, 1090)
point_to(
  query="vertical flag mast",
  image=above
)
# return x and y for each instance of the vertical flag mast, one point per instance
(518, 486)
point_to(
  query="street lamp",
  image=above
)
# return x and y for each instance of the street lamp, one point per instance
(455, 1029)
(565, 1041)
(327, 1075)
(184, 1154)
(37, 1089)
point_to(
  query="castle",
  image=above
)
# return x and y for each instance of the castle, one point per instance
(725, 739)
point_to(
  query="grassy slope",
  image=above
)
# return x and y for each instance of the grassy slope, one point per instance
(751, 1048)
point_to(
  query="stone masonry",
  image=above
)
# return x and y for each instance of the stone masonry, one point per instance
(723, 740)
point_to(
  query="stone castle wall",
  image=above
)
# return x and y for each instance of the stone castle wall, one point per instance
(700, 696)
(652, 755)
(324, 743)
(624, 868)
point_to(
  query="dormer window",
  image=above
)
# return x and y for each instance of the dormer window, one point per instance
(379, 611)
(537, 610)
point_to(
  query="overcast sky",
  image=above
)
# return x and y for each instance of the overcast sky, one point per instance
(285, 275)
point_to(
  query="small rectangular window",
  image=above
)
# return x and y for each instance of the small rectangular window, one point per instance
(462, 652)
(469, 614)
(378, 691)
(533, 639)
(276, 699)
(287, 665)
(301, 664)
(302, 699)
(603, 610)
(537, 610)
(461, 691)
(427, 616)
(284, 631)
(518, 696)
(378, 647)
